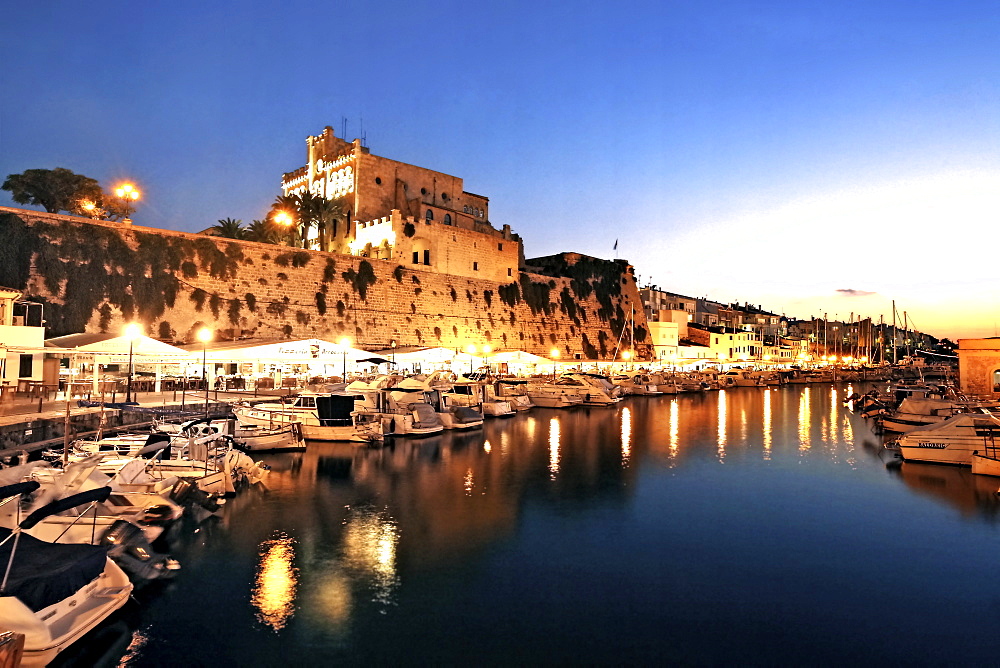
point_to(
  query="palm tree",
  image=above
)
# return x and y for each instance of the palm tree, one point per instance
(327, 212)
(289, 205)
(229, 228)
(263, 231)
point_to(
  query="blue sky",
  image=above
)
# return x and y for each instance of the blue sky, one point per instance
(770, 152)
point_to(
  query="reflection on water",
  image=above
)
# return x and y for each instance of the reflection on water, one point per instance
(673, 432)
(370, 541)
(626, 436)
(973, 495)
(421, 546)
(553, 447)
(721, 429)
(766, 426)
(276, 582)
(805, 420)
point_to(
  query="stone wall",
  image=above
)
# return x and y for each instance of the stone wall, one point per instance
(978, 359)
(96, 275)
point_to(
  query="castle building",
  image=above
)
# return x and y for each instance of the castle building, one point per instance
(415, 216)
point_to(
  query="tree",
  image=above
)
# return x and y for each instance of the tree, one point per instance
(263, 231)
(229, 228)
(56, 189)
(288, 205)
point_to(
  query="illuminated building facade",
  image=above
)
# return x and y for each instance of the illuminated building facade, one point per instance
(415, 216)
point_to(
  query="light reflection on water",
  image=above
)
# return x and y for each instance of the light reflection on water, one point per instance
(721, 428)
(553, 447)
(399, 553)
(626, 436)
(805, 420)
(766, 425)
(674, 412)
(276, 582)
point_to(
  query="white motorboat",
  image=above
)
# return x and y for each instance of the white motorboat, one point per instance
(951, 441)
(551, 395)
(53, 594)
(481, 395)
(323, 416)
(398, 411)
(445, 397)
(246, 436)
(639, 383)
(594, 389)
(515, 392)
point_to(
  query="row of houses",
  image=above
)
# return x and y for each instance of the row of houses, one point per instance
(684, 327)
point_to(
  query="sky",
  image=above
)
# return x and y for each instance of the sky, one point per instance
(808, 157)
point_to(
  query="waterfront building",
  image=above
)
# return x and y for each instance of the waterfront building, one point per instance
(979, 366)
(22, 342)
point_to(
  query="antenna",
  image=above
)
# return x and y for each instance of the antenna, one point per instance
(364, 137)
(343, 124)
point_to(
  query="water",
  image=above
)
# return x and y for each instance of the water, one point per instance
(753, 525)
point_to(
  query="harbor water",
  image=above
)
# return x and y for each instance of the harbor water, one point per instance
(748, 526)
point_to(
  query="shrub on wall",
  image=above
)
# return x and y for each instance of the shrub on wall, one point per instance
(321, 303)
(251, 301)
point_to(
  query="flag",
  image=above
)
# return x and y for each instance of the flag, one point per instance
(616, 245)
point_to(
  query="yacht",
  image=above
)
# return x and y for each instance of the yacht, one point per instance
(323, 417)
(398, 411)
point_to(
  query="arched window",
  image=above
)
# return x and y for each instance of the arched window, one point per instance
(447, 219)
(430, 215)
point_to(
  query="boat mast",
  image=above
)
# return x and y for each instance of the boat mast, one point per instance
(893, 331)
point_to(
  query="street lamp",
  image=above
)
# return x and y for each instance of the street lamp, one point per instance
(392, 344)
(345, 343)
(132, 332)
(285, 219)
(554, 354)
(127, 194)
(205, 335)
(471, 349)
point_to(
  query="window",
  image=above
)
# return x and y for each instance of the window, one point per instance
(423, 191)
(447, 219)
(24, 366)
(429, 215)
(427, 257)
(378, 181)
(510, 272)
(475, 266)
(416, 257)
(444, 196)
(465, 209)
(499, 246)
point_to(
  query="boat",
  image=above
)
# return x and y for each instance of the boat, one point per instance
(552, 395)
(323, 417)
(446, 397)
(515, 392)
(246, 436)
(639, 383)
(951, 441)
(740, 378)
(53, 594)
(398, 411)
(593, 389)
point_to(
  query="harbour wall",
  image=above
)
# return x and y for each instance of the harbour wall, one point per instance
(95, 276)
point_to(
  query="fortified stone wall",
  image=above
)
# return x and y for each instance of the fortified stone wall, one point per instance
(95, 275)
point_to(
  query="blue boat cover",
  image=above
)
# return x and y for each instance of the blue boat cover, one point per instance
(44, 573)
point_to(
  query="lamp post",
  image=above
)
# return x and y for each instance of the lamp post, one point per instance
(627, 357)
(345, 343)
(132, 332)
(554, 353)
(471, 349)
(487, 349)
(284, 219)
(127, 194)
(205, 335)
(392, 344)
